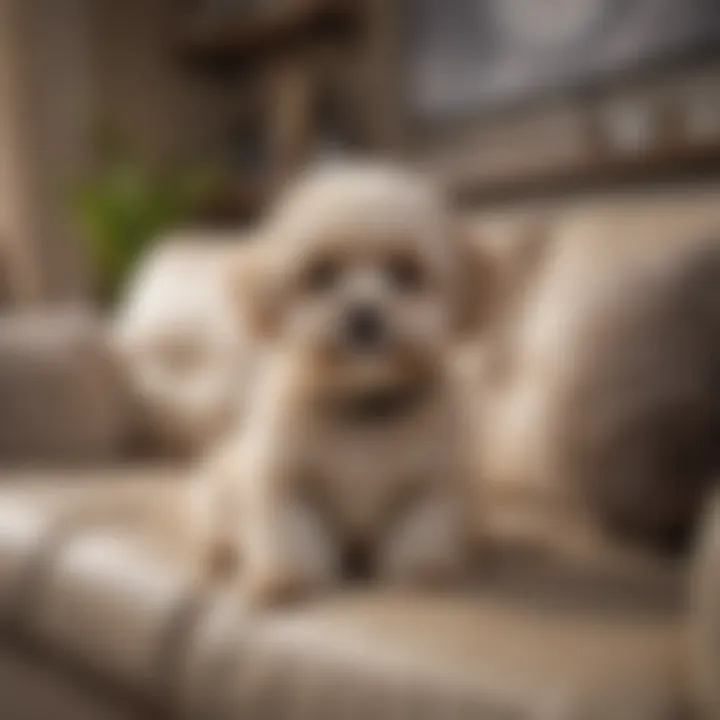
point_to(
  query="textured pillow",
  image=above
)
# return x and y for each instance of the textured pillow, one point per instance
(610, 377)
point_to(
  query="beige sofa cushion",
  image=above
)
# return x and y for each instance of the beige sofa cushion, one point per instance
(63, 397)
(566, 336)
(31, 691)
(111, 609)
(705, 617)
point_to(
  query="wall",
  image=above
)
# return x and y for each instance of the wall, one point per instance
(143, 92)
(45, 108)
(69, 68)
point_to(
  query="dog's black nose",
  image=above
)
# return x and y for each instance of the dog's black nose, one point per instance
(364, 327)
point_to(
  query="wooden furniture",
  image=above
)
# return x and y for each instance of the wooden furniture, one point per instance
(283, 27)
(555, 134)
(305, 59)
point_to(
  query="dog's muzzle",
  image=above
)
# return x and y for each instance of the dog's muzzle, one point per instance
(364, 328)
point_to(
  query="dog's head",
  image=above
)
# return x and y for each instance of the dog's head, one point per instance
(364, 276)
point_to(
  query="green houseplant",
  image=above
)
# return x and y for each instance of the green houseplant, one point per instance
(124, 206)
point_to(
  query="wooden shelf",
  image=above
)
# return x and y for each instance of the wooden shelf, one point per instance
(237, 202)
(243, 201)
(266, 32)
(681, 164)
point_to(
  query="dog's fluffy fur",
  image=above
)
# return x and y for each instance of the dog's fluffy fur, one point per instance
(177, 329)
(353, 452)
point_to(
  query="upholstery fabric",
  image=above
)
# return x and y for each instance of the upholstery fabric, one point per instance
(102, 616)
(63, 397)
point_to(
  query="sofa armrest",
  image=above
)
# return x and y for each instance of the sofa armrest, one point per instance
(63, 395)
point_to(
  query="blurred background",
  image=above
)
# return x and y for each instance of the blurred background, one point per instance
(123, 120)
(120, 119)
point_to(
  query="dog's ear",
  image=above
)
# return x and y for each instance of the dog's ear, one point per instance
(478, 280)
(494, 275)
(255, 290)
(530, 249)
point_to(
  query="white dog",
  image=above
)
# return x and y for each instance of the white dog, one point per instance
(177, 328)
(354, 451)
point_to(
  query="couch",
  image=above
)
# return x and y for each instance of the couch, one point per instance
(101, 616)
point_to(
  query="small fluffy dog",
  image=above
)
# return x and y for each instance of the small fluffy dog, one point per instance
(176, 328)
(353, 454)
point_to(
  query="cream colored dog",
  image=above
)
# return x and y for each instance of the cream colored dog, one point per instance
(353, 454)
(176, 327)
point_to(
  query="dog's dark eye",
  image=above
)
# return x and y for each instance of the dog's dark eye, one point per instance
(321, 275)
(406, 273)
